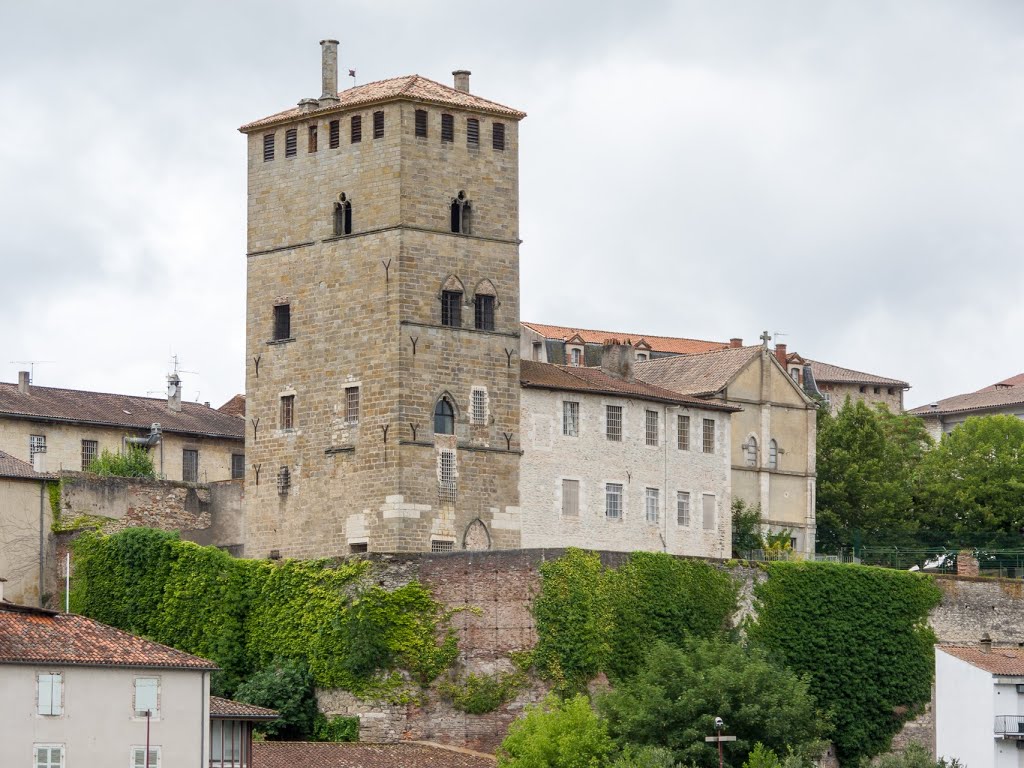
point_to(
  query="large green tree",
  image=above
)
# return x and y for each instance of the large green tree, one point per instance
(557, 734)
(973, 481)
(866, 462)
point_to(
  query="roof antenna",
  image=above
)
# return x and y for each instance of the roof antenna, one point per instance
(32, 367)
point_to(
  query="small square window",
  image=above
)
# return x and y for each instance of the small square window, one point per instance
(613, 501)
(237, 466)
(613, 425)
(498, 136)
(287, 411)
(570, 418)
(351, 405)
(334, 134)
(652, 504)
(48, 755)
(357, 129)
(50, 693)
(651, 427)
(570, 498)
(90, 452)
(139, 757)
(709, 436)
(282, 322)
(190, 465)
(378, 124)
(683, 508)
(147, 697)
(683, 433)
(421, 123)
(291, 142)
(268, 147)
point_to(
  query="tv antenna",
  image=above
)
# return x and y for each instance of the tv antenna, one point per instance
(31, 366)
(176, 370)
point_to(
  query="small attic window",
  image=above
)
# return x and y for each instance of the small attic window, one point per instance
(498, 136)
(268, 147)
(334, 130)
(378, 124)
(291, 142)
(421, 123)
(472, 132)
(447, 129)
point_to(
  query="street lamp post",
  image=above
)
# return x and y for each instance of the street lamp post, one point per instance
(718, 737)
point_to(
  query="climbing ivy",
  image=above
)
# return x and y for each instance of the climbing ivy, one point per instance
(860, 634)
(479, 694)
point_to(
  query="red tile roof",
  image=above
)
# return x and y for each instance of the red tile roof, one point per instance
(301, 754)
(408, 87)
(697, 375)
(668, 344)
(235, 406)
(595, 381)
(12, 467)
(1013, 381)
(239, 710)
(37, 636)
(834, 374)
(125, 411)
(1000, 661)
(983, 400)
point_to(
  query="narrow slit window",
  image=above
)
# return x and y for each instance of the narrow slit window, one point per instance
(421, 123)
(312, 138)
(343, 215)
(750, 451)
(447, 129)
(268, 147)
(483, 312)
(461, 210)
(190, 465)
(334, 133)
(291, 142)
(357, 129)
(498, 136)
(351, 405)
(282, 322)
(451, 308)
(378, 124)
(472, 132)
(773, 454)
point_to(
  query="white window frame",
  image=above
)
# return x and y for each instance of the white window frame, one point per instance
(652, 504)
(576, 356)
(613, 500)
(140, 713)
(683, 509)
(56, 691)
(617, 438)
(570, 492)
(139, 750)
(49, 762)
(651, 428)
(570, 418)
(478, 405)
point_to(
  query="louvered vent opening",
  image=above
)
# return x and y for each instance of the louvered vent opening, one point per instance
(498, 136)
(291, 142)
(447, 128)
(312, 138)
(421, 123)
(473, 132)
(334, 129)
(268, 147)
(378, 125)
(357, 129)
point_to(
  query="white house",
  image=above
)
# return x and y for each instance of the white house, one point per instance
(979, 705)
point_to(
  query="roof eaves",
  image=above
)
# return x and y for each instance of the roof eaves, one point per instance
(116, 425)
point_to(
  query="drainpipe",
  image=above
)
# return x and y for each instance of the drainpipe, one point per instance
(42, 540)
(664, 537)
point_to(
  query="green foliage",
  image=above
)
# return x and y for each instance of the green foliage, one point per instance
(673, 700)
(866, 463)
(287, 686)
(974, 479)
(915, 756)
(54, 491)
(644, 757)
(135, 462)
(762, 757)
(478, 694)
(557, 734)
(746, 527)
(860, 634)
(335, 728)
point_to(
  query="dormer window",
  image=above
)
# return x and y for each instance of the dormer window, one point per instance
(343, 215)
(461, 210)
(576, 356)
(641, 357)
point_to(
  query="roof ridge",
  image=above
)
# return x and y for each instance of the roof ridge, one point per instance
(624, 334)
(108, 394)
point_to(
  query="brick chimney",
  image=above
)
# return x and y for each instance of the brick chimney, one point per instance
(780, 354)
(329, 71)
(735, 343)
(24, 384)
(462, 80)
(618, 359)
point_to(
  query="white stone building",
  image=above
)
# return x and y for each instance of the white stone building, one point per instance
(615, 464)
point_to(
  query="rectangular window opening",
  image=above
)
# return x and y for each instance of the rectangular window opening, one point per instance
(190, 465)
(613, 418)
(312, 139)
(291, 142)
(357, 129)
(709, 512)
(351, 405)
(50, 693)
(268, 147)
(683, 433)
(139, 757)
(440, 546)
(421, 123)
(451, 308)
(483, 312)
(356, 547)
(90, 452)
(498, 136)
(334, 133)
(282, 322)
(479, 406)
(287, 411)
(709, 436)
(447, 129)
(652, 503)
(48, 755)
(237, 466)
(683, 508)
(472, 132)
(571, 498)
(613, 501)
(378, 124)
(570, 418)
(147, 696)
(446, 476)
(651, 427)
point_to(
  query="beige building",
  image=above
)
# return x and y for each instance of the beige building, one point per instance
(382, 380)
(1002, 398)
(773, 436)
(836, 383)
(25, 519)
(613, 463)
(64, 429)
(563, 345)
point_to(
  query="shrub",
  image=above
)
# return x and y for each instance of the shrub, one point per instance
(135, 462)
(556, 734)
(287, 687)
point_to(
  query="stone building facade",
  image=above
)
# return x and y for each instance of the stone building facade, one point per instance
(382, 380)
(836, 383)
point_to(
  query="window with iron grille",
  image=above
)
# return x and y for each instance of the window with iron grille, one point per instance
(683, 508)
(683, 433)
(483, 312)
(50, 693)
(268, 147)
(190, 465)
(312, 139)
(351, 405)
(613, 500)
(498, 136)
(48, 755)
(378, 124)
(36, 444)
(282, 322)
(709, 436)
(421, 123)
(444, 417)
(440, 546)
(651, 427)
(284, 480)
(334, 133)
(446, 476)
(613, 422)
(570, 418)
(357, 129)
(447, 129)
(473, 132)
(478, 403)
(570, 498)
(652, 501)
(709, 511)
(90, 452)
(237, 466)
(287, 412)
(451, 308)
(358, 546)
(291, 142)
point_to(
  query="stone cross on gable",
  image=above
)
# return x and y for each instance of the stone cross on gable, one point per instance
(765, 338)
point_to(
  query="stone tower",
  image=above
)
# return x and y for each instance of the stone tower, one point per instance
(382, 379)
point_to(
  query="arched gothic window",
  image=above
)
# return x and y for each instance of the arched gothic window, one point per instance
(451, 302)
(462, 211)
(444, 417)
(773, 454)
(343, 215)
(750, 449)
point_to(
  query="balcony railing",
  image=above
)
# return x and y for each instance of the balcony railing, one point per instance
(1010, 726)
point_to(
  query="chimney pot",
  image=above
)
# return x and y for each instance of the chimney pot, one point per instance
(735, 343)
(986, 643)
(462, 80)
(329, 71)
(174, 393)
(23, 382)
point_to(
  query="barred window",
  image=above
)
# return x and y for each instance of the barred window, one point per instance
(351, 405)
(570, 418)
(651, 427)
(498, 136)
(613, 422)
(90, 452)
(652, 501)
(190, 465)
(683, 433)
(268, 147)
(421, 123)
(334, 133)
(378, 124)
(284, 480)
(36, 444)
(287, 412)
(356, 130)
(446, 476)
(478, 404)
(709, 436)
(237, 466)
(571, 498)
(447, 129)
(440, 546)
(683, 508)
(291, 142)
(312, 139)
(472, 132)
(451, 308)
(613, 501)
(282, 322)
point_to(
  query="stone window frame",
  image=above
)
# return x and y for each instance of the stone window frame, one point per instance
(311, 138)
(268, 146)
(485, 305)
(575, 356)
(447, 476)
(704, 511)
(352, 402)
(284, 480)
(683, 431)
(708, 436)
(291, 142)
(479, 406)
(237, 466)
(355, 130)
(450, 298)
(498, 136)
(750, 451)
(421, 124)
(441, 545)
(444, 397)
(286, 411)
(342, 215)
(90, 452)
(461, 210)
(570, 418)
(473, 132)
(614, 433)
(334, 134)
(378, 124)
(447, 128)
(281, 327)
(773, 454)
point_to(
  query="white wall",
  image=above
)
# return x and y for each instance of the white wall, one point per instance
(98, 726)
(593, 460)
(964, 713)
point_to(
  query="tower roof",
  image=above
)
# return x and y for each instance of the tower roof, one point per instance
(408, 87)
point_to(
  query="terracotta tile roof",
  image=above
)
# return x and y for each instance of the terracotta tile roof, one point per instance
(983, 400)
(834, 374)
(126, 411)
(408, 87)
(1013, 381)
(667, 344)
(37, 636)
(235, 406)
(698, 375)
(12, 467)
(1000, 661)
(301, 754)
(239, 710)
(595, 381)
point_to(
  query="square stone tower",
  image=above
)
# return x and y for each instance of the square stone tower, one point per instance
(382, 379)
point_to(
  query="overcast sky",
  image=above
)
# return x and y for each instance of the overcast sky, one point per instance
(847, 174)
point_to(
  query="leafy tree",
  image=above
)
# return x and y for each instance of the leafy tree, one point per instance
(645, 757)
(746, 527)
(866, 461)
(135, 462)
(287, 687)
(915, 756)
(974, 479)
(557, 734)
(673, 700)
